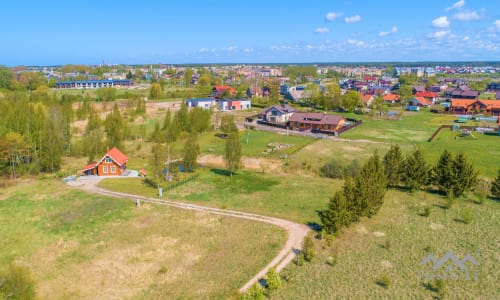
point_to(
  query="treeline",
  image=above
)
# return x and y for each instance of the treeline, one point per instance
(34, 133)
(363, 194)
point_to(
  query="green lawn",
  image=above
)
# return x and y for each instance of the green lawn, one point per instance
(80, 245)
(393, 243)
(286, 196)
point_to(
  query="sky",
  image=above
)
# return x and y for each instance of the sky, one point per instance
(247, 31)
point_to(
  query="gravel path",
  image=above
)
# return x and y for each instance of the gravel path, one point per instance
(296, 232)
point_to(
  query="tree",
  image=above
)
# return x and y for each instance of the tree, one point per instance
(182, 118)
(167, 120)
(6, 78)
(415, 170)
(232, 152)
(52, 149)
(188, 76)
(273, 279)
(106, 94)
(495, 186)
(13, 150)
(227, 124)
(156, 135)
(370, 186)
(157, 159)
(155, 91)
(393, 161)
(351, 100)
(379, 105)
(115, 128)
(405, 93)
(336, 216)
(464, 175)
(191, 152)
(93, 141)
(442, 173)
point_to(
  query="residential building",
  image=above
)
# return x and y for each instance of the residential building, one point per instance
(205, 103)
(113, 163)
(93, 84)
(278, 113)
(322, 121)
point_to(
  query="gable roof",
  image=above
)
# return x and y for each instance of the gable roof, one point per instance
(116, 155)
(315, 118)
(426, 94)
(366, 98)
(391, 97)
(462, 102)
(222, 88)
(89, 167)
(421, 101)
(284, 109)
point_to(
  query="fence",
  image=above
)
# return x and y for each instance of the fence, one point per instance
(449, 127)
(169, 186)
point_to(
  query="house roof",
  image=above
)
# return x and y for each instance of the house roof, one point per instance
(490, 103)
(200, 99)
(462, 102)
(422, 101)
(419, 88)
(89, 167)
(366, 98)
(222, 88)
(116, 155)
(284, 109)
(315, 118)
(391, 97)
(296, 94)
(426, 95)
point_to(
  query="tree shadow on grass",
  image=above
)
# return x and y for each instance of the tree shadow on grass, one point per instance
(314, 226)
(221, 172)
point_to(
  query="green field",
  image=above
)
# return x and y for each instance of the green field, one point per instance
(393, 243)
(287, 196)
(79, 245)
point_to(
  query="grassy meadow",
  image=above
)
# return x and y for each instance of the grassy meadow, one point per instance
(393, 243)
(80, 245)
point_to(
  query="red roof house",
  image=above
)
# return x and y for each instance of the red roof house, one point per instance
(219, 90)
(391, 98)
(113, 163)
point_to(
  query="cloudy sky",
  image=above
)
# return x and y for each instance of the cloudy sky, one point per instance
(210, 31)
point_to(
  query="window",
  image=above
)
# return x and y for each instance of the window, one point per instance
(108, 159)
(105, 169)
(112, 170)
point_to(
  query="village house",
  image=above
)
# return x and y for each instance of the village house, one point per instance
(429, 96)
(220, 91)
(471, 106)
(113, 163)
(205, 103)
(391, 98)
(322, 121)
(278, 113)
(234, 104)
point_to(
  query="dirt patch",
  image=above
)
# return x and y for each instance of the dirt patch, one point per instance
(249, 163)
(386, 264)
(361, 229)
(435, 226)
(379, 234)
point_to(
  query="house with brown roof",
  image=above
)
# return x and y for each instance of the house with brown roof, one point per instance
(219, 91)
(470, 106)
(392, 98)
(314, 120)
(113, 163)
(420, 101)
(430, 96)
(278, 113)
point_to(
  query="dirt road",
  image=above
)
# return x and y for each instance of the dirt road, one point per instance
(296, 232)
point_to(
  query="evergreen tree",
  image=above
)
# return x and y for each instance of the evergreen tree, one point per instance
(51, 152)
(273, 279)
(155, 91)
(191, 152)
(167, 120)
(156, 135)
(93, 141)
(336, 215)
(232, 153)
(227, 124)
(442, 173)
(115, 128)
(354, 203)
(495, 186)
(464, 175)
(370, 186)
(182, 118)
(415, 170)
(393, 161)
(157, 159)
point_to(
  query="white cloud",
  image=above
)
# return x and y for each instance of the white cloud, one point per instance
(353, 19)
(248, 50)
(466, 38)
(356, 42)
(393, 30)
(441, 22)
(231, 48)
(203, 50)
(439, 34)
(456, 5)
(309, 47)
(466, 16)
(333, 15)
(321, 30)
(497, 24)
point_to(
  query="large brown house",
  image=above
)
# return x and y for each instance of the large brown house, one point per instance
(314, 120)
(113, 163)
(470, 106)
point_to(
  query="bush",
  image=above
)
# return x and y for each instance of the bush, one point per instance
(331, 260)
(256, 292)
(16, 283)
(332, 169)
(427, 211)
(481, 191)
(273, 279)
(299, 260)
(467, 216)
(308, 249)
(384, 281)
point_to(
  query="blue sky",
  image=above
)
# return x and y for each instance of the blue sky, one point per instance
(252, 31)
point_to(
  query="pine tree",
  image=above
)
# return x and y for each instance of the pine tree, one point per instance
(495, 186)
(464, 175)
(93, 143)
(52, 150)
(191, 152)
(157, 159)
(393, 161)
(156, 135)
(232, 152)
(354, 204)
(415, 170)
(336, 216)
(115, 128)
(227, 124)
(167, 120)
(442, 173)
(182, 118)
(370, 186)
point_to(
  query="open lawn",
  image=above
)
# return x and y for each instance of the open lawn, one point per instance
(413, 127)
(393, 243)
(285, 196)
(80, 245)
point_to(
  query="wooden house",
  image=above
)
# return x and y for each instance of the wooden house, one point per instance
(113, 163)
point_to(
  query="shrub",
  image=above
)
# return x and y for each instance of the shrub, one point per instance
(256, 292)
(481, 191)
(332, 169)
(299, 260)
(427, 211)
(387, 244)
(162, 270)
(467, 216)
(331, 260)
(16, 283)
(308, 249)
(384, 281)
(273, 279)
